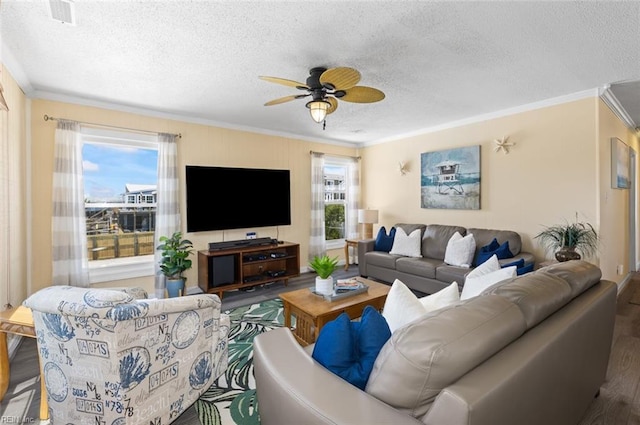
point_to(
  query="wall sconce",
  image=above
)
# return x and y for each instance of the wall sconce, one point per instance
(367, 218)
(403, 168)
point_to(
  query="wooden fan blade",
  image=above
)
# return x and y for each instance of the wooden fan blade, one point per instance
(285, 82)
(285, 99)
(362, 94)
(334, 104)
(340, 78)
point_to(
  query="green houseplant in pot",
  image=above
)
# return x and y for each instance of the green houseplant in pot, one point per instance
(569, 240)
(324, 266)
(175, 260)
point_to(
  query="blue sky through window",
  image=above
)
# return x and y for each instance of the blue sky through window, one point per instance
(107, 168)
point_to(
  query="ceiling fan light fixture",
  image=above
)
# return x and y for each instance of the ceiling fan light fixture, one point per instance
(318, 109)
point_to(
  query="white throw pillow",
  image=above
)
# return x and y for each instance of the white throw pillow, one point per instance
(491, 265)
(474, 286)
(406, 245)
(402, 306)
(460, 250)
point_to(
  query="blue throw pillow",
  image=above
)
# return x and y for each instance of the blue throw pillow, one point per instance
(518, 264)
(526, 269)
(349, 349)
(503, 251)
(520, 267)
(383, 241)
(486, 252)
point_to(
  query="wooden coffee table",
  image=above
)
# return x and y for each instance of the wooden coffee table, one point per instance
(312, 311)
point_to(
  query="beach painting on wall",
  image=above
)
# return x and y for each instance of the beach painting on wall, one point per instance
(619, 164)
(450, 179)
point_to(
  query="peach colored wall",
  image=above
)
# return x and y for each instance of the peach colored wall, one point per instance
(200, 145)
(554, 171)
(613, 203)
(13, 187)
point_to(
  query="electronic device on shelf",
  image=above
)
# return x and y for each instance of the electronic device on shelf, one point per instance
(253, 278)
(254, 257)
(278, 254)
(275, 273)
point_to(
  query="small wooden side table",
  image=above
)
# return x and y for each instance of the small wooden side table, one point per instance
(18, 321)
(312, 311)
(349, 243)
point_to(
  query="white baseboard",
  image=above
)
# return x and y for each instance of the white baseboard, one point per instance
(624, 283)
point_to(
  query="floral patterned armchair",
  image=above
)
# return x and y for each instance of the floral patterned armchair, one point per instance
(113, 357)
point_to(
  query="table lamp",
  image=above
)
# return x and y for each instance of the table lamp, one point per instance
(367, 218)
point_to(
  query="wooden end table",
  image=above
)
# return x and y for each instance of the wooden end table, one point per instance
(312, 311)
(349, 243)
(18, 321)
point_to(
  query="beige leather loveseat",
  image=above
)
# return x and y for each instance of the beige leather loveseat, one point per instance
(528, 351)
(429, 273)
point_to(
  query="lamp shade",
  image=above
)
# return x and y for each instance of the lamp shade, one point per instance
(368, 216)
(318, 109)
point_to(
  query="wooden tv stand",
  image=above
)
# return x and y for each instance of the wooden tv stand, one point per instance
(252, 265)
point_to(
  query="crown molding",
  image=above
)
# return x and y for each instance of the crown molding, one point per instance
(613, 103)
(493, 115)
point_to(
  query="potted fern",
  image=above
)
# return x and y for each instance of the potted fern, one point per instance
(569, 240)
(175, 261)
(324, 266)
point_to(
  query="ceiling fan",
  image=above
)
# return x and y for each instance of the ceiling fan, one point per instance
(326, 86)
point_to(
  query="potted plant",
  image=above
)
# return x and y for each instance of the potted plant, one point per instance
(175, 260)
(569, 240)
(324, 266)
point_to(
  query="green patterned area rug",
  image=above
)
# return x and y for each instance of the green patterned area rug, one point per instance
(232, 398)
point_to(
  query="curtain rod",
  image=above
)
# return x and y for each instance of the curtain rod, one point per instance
(333, 154)
(50, 118)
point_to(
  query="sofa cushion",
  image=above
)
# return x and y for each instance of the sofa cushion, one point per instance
(402, 306)
(475, 285)
(408, 227)
(430, 353)
(579, 274)
(538, 295)
(460, 250)
(447, 273)
(436, 237)
(484, 237)
(423, 267)
(383, 241)
(407, 245)
(349, 349)
(382, 259)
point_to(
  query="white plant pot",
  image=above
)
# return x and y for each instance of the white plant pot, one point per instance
(324, 286)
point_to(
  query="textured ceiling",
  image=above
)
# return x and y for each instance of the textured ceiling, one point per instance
(437, 62)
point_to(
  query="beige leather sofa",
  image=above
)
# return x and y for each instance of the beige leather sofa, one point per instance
(430, 273)
(531, 350)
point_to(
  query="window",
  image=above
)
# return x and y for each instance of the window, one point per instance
(120, 181)
(335, 201)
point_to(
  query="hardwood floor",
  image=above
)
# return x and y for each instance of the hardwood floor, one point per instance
(618, 403)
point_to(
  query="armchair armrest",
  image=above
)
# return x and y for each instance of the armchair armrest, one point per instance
(364, 246)
(293, 388)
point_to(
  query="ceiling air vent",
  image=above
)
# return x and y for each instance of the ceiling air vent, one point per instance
(63, 11)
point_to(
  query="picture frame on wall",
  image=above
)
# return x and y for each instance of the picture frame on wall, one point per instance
(450, 179)
(619, 164)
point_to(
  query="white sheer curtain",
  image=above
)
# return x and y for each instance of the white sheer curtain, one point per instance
(317, 239)
(68, 225)
(353, 198)
(168, 207)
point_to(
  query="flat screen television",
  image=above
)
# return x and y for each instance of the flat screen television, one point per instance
(220, 198)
